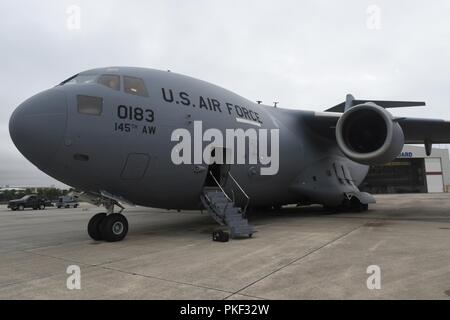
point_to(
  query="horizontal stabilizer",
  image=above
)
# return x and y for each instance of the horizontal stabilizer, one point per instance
(342, 107)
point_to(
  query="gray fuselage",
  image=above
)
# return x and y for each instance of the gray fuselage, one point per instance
(127, 153)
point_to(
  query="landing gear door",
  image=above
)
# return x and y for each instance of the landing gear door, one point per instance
(135, 167)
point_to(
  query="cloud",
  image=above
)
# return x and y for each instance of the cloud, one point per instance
(307, 54)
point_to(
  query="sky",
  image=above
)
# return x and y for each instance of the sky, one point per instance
(303, 54)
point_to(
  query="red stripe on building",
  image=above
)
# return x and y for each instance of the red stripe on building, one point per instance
(434, 173)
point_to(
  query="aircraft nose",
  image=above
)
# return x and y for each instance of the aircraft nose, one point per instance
(38, 125)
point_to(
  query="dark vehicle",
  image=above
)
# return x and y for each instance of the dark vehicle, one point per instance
(67, 202)
(28, 201)
(47, 202)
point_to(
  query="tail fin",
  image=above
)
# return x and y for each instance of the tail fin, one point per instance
(350, 101)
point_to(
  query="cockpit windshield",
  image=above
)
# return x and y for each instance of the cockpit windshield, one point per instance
(80, 78)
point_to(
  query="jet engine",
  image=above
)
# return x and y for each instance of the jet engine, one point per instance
(368, 134)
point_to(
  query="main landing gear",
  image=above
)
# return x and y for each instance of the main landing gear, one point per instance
(110, 226)
(351, 205)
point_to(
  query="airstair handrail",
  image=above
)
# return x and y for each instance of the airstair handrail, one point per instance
(242, 190)
(218, 184)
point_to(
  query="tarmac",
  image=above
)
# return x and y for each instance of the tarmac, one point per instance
(297, 253)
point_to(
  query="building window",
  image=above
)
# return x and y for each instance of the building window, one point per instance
(90, 105)
(135, 86)
(110, 81)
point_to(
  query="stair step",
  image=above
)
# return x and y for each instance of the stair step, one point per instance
(221, 207)
(222, 201)
(235, 217)
(211, 188)
(224, 212)
(214, 197)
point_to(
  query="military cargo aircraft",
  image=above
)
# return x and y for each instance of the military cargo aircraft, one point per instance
(160, 139)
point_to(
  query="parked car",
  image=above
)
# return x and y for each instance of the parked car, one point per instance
(29, 201)
(67, 202)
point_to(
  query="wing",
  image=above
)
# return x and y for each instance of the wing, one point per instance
(416, 130)
(322, 123)
(420, 130)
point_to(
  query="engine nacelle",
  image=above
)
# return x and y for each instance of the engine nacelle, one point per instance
(368, 134)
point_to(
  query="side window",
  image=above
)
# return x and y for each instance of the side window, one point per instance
(80, 78)
(110, 80)
(135, 86)
(90, 105)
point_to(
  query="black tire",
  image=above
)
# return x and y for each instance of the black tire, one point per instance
(356, 205)
(14, 209)
(75, 206)
(114, 227)
(333, 210)
(42, 207)
(21, 207)
(94, 226)
(59, 207)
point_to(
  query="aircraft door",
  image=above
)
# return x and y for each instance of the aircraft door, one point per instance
(217, 171)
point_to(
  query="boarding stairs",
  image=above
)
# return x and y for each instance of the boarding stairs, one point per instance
(222, 208)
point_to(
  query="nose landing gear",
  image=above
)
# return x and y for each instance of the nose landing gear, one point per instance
(110, 226)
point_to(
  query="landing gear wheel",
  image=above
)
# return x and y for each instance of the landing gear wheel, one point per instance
(114, 227)
(220, 236)
(356, 205)
(94, 226)
(331, 210)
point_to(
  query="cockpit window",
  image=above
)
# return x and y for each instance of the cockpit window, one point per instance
(80, 78)
(110, 80)
(90, 105)
(135, 86)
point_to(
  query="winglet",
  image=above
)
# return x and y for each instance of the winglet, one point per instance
(350, 102)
